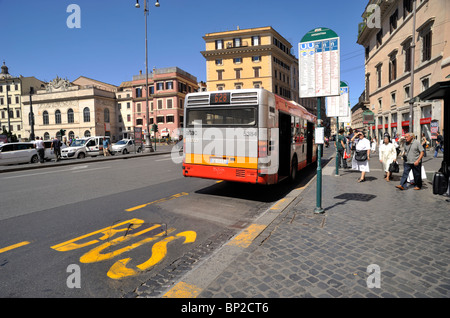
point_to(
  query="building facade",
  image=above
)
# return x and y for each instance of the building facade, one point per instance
(357, 114)
(167, 89)
(12, 90)
(406, 52)
(83, 108)
(124, 96)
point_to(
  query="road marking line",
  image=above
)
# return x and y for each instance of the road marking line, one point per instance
(246, 237)
(183, 290)
(73, 169)
(90, 169)
(11, 247)
(157, 201)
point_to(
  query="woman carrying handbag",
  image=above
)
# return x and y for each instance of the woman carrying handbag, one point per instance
(388, 156)
(361, 158)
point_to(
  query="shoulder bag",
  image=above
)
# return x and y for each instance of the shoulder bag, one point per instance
(361, 155)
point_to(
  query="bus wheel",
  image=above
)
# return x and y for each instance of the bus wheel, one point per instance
(294, 169)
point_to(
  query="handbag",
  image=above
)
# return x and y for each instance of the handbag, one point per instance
(393, 167)
(361, 155)
(346, 155)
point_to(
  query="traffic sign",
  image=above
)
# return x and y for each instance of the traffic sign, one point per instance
(338, 106)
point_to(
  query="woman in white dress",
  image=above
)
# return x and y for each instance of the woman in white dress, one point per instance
(388, 154)
(362, 144)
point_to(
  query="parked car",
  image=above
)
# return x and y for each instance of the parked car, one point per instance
(125, 146)
(84, 147)
(18, 152)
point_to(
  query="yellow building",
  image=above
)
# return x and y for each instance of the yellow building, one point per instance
(251, 58)
(255, 58)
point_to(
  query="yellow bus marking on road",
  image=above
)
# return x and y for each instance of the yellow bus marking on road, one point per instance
(183, 290)
(107, 233)
(95, 254)
(120, 270)
(246, 237)
(11, 247)
(157, 201)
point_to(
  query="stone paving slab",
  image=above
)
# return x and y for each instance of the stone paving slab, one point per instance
(301, 254)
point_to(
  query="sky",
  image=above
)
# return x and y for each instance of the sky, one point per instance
(109, 45)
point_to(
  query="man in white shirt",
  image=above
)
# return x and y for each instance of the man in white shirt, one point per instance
(40, 149)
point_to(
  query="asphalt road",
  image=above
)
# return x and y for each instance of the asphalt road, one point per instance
(106, 227)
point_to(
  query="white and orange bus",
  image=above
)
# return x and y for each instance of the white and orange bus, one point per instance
(246, 135)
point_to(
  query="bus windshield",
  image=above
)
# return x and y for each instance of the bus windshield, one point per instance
(222, 117)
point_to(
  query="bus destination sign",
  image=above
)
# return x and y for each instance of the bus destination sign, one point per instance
(219, 98)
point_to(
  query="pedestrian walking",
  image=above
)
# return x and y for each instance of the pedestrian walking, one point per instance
(424, 142)
(105, 147)
(388, 155)
(412, 160)
(40, 147)
(351, 144)
(439, 145)
(56, 147)
(361, 158)
(340, 147)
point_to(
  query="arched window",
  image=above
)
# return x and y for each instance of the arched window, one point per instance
(57, 116)
(46, 136)
(70, 115)
(86, 115)
(45, 117)
(71, 135)
(106, 115)
(87, 133)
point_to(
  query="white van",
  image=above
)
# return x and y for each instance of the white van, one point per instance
(18, 152)
(84, 147)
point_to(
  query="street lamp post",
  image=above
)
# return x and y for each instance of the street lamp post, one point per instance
(148, 143)
(31, 114)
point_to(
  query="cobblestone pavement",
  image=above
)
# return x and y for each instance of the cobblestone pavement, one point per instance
(302, 254)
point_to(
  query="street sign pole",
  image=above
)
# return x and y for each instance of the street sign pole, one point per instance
(337, 140)
(319, 76)
(318, 208)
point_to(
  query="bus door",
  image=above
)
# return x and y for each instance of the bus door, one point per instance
(285, 132)
(309, 142)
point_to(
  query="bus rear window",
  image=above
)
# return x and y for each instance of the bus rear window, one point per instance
(221, 117)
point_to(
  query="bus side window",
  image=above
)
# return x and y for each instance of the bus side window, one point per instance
(297, 130)
(303, 136)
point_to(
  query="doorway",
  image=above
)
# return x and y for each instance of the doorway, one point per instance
(285, 137)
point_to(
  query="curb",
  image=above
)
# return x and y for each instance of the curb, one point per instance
(199, 278)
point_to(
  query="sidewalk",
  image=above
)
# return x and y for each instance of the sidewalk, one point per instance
(302, 254)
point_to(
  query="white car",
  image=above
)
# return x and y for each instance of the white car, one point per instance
(84, 147)
(125, 146)
(18, 152)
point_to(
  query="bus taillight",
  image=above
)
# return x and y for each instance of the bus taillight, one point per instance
(262, 148)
